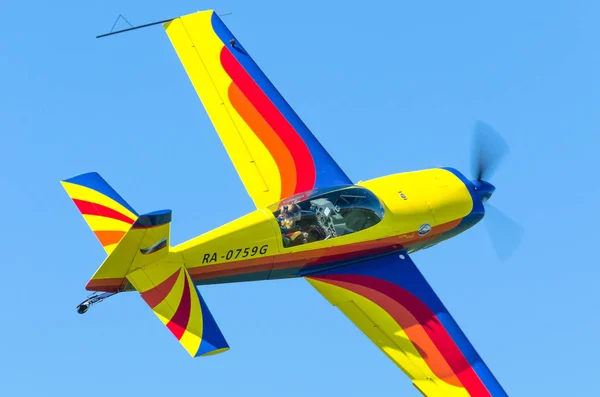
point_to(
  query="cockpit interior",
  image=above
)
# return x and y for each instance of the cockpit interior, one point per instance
(325, 215)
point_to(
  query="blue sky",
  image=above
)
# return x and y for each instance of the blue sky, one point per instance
(388, 86)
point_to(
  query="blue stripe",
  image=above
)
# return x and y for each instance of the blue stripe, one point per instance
(212, 337)
(94, 181)
(327, 171)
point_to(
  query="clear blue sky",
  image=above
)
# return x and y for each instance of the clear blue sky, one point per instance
(387, 86)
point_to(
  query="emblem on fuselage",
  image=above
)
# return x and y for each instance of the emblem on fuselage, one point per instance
(424, 229)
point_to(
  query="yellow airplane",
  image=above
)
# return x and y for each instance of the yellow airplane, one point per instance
(350, 241)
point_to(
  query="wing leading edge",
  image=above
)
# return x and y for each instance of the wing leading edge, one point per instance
(273, 151)
(391, 302)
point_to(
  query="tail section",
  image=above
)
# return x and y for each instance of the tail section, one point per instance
(141, 257)
(104, 210)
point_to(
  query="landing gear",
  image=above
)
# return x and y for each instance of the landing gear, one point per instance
(93, 299)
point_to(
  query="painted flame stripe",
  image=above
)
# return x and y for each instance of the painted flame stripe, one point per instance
(409, 324)
(305, 168)
(430, 323)
(179, 322)
(280, 152)
(157, 294)
(78, 192)
(88, 208)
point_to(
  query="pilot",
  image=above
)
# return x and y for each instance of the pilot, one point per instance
(290, 214)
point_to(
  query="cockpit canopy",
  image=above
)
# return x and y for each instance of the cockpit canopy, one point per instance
(322, 214)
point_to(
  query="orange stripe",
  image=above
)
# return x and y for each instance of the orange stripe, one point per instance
(106, 284)
(108, 237)
(281, 154)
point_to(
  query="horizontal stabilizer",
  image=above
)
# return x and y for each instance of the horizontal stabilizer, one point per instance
(171, 294)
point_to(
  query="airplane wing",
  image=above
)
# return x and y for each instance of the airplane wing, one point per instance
(273, 151)
(391, 302)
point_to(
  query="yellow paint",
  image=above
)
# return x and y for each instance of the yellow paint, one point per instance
(98, 223)
(199, 48)
(110, 248)
(388, 336)
(125, 256)
(435, 196)
(258, 228)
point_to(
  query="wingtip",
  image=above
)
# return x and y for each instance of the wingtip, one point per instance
(74, 179)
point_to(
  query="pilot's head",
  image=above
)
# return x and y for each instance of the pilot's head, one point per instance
(289, 215)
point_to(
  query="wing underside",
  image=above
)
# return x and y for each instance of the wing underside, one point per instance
(273, 151)
(391, 302)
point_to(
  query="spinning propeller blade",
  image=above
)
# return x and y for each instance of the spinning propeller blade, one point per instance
(489, 149)
(505, 233)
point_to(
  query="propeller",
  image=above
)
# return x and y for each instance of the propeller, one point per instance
(489, 150)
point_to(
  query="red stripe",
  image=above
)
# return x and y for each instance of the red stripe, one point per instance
(88, 208)
(157, 294)
(305, 167)
(180, 319)
(430, 323)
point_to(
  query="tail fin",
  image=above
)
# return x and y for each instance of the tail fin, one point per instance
(145, 243)
(106, 213)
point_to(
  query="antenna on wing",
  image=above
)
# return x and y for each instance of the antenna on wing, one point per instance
(119, 18)
(131, 27)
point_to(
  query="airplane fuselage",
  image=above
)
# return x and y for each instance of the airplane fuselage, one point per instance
(418, 209)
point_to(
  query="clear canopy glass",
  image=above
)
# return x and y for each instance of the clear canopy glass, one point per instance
(323, 214)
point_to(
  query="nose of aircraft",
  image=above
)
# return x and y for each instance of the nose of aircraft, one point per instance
(484, 189)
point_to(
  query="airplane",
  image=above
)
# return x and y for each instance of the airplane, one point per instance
(352, 242)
